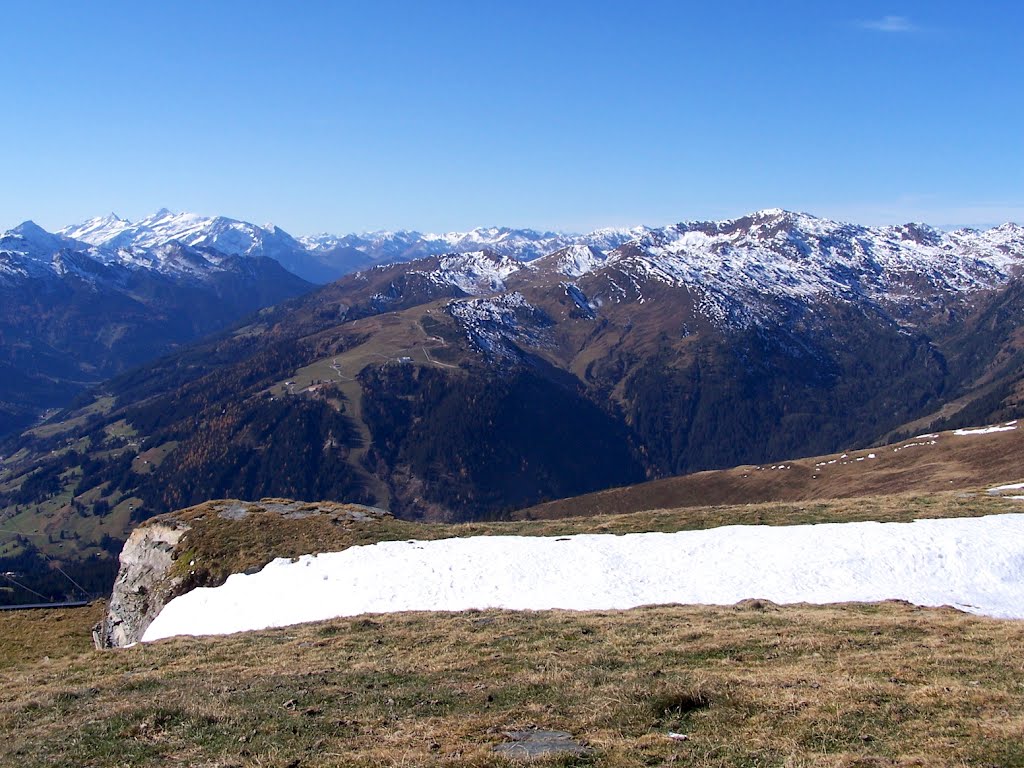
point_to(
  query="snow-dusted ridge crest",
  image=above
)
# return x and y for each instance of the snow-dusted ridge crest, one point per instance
(776, 253)
(733, 264)
(28, 251)
(738, 267)
(975, 564)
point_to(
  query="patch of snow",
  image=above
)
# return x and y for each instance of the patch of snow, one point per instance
(579, 299)
(573, 261)
(497, 324)
(975, 564)
(899, 448)
(984, 430)
(1010, 487)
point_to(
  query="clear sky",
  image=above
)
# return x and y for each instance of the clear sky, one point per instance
(349, 116)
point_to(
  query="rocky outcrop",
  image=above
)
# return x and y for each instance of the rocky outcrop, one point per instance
(145, 582)
(202, 546)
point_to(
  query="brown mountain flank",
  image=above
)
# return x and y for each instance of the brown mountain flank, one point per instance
(960, 459)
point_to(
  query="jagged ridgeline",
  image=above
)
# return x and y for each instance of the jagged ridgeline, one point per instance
(465, 386)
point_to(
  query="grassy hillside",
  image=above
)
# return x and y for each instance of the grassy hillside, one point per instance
(930, 463)
(749, 685)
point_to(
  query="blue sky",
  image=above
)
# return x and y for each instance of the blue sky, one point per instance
(340, 116)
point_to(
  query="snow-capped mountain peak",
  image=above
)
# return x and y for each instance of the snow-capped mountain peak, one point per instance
(228, 236)
(97, 231)
(475, 272)
(164, 226)
(103, 242)
(573, 260)
(32, 241)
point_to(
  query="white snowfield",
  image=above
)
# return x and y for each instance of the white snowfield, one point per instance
(974, 564)
(1008, 427)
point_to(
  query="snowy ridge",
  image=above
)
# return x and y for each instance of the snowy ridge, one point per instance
(473, 273)
(528, 244)
(98, 231)
(774, 253)
(736, 268)
(233, 237)
(241, 238)
(974, 564)
(573, 261)
(229, 236)
(30, 251)
(520, 244)
(380, 246)
(517, 244)
(181, 246)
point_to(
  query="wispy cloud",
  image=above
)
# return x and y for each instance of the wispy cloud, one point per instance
(889, 24)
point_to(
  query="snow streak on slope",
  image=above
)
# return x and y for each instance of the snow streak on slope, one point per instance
(498, 324)
(1007, 427)
(974, 564)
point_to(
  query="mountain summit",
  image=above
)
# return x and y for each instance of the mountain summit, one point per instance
(224, 235)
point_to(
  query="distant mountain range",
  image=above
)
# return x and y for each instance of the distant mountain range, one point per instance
(322, 258)
(94, 299)
(73, 314)
(462, 385)
(468, 385)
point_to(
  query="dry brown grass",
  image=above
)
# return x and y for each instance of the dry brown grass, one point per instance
(38, 634)
(751, 685)
(964, 463)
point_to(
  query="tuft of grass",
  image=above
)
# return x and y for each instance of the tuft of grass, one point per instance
(669, 706)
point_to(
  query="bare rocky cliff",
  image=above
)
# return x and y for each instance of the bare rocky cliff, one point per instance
(145, 582)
